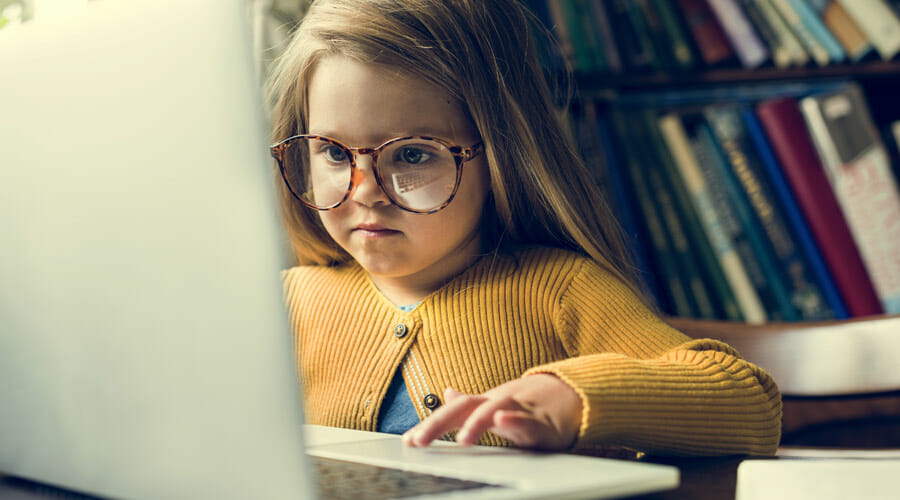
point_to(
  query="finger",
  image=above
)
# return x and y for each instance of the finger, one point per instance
(482, 419)
(445, 419)
(450, 394)
(528, 431)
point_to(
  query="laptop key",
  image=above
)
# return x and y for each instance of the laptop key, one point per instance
(340, 480)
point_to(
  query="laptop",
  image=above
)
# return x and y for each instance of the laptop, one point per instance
(144, 344)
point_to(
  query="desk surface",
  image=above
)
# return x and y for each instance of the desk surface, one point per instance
(701, 479)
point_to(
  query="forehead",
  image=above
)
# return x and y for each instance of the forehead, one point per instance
(365, 104)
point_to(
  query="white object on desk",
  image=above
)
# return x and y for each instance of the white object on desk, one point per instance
(819, 479)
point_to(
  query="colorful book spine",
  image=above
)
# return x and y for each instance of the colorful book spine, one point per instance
(737, 220)
(878, 22)
(679, 146)
(857, 167)
(816, 27)
(707, 33)
(676, 197)
(664, 255)
(845, 29)
(786, 37)
(750, 49)
(681, 48)
(809, 41)
(753, 190)
(786, 132)
(781, 57)
(795, 220)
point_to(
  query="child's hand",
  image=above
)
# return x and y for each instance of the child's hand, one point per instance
(538, 411)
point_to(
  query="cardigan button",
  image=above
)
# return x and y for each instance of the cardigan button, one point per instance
(431, 401)
(400, 331)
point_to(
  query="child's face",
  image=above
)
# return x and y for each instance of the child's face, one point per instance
(408, 255)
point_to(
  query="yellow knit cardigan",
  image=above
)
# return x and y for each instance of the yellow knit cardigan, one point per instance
(643, 384)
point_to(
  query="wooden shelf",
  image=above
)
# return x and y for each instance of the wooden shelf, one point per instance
(600, 82)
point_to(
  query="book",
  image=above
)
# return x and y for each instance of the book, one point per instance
(786, 132)
(753, 190)
(632, 35)
(597, 16)
(793, 216)
(671, 216)
(658, 37)
(712, 282)
(737, 220)
(781, 56)
(749, 48)
(857, 168)
(878, 22)
(846, 31)
(616, 187)
(706, 32)
(816, 27)
(668, 276)
(809, 41)
(786, 37)
(681, 48)
(678, 143)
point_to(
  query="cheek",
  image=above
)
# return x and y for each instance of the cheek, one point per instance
(331, 220)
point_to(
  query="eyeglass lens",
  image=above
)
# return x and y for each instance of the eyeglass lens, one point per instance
(417, 174)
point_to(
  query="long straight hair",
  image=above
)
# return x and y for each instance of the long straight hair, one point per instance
(483, 53)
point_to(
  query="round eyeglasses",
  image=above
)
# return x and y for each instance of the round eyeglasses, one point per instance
(418, 174)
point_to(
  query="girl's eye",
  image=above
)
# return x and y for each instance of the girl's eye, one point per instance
(412, 156)
(334, 154)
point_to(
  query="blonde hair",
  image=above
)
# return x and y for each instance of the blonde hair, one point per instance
(482, 53)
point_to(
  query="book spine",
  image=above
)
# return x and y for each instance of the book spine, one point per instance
(687, 266)
(846, 31)
(813, 23)
(716, 286)
(878, 22)
(679, 146)
(757, 259)
(863, 184)
(774, 176)
(707, 34)
(681, 48)
(750, 50)
(662, 45)
(617, 188)
(789, 41)
(583, 58)
(663, 254)
(600, 20)
(636, 50)
(781, 57)
(799, 28)
(786, 132)
(591, 35)
(746, 173)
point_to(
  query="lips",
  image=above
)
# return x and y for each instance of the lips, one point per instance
(374, 230)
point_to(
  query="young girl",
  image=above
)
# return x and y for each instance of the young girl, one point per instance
(459, 272)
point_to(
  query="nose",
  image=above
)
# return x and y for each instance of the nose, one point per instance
(366, 190)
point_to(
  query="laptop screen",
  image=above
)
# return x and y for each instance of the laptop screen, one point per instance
(142, 330)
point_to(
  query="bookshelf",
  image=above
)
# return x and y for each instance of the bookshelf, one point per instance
(639, 116)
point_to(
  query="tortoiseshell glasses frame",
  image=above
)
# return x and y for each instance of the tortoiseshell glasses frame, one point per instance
(460, 154)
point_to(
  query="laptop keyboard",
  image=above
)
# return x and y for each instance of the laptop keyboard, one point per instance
(339, 480)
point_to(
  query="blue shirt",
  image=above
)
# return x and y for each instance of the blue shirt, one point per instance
(397, 414)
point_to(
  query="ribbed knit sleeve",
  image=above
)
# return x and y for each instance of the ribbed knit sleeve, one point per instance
(647, 386)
